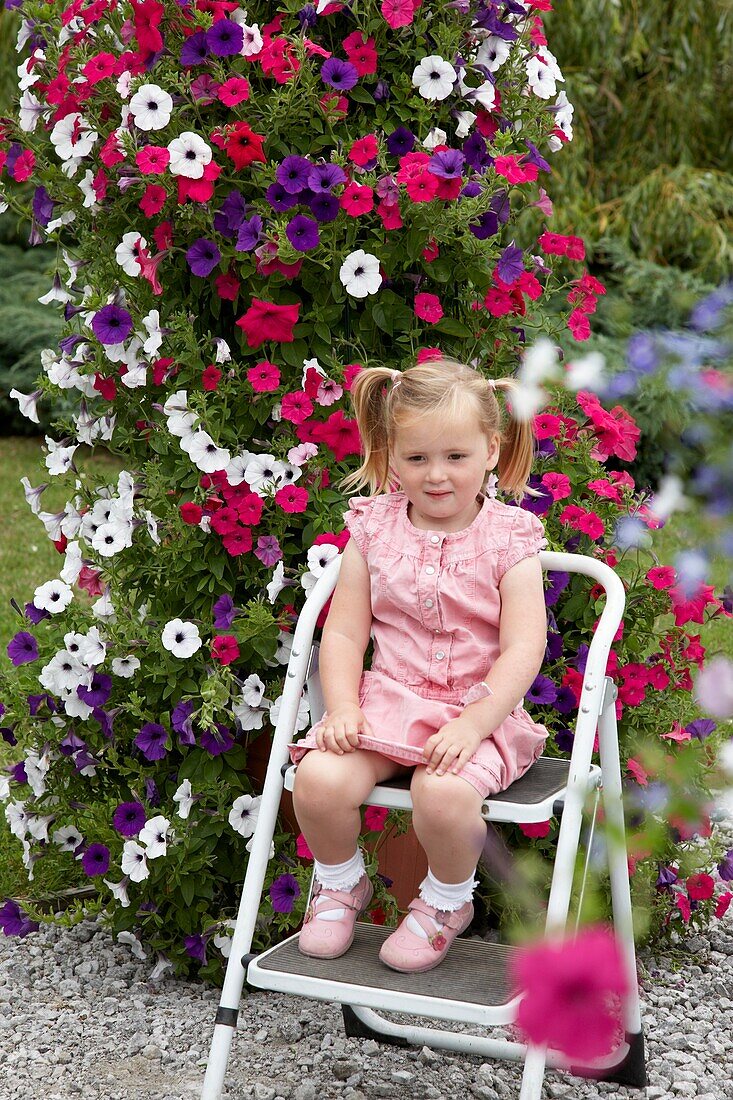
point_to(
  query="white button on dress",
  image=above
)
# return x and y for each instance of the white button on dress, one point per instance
(430, 569)
(435, 538)
(439, 655)
(428, 603)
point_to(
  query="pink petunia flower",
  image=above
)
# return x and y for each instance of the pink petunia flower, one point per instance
(264, 377)
(296, 407)
(572, 993)
(700, 887)
(291, 498)
(375, 817)
(428, 308)
(224, 649)
(661, 576)
(152, 160)
(268, 321)
(398, 13)
(558, 485)
(234, 90)
(302, 849)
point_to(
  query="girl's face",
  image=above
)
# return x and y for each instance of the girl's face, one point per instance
(441, 469)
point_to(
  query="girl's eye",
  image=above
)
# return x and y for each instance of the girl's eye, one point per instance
(456, 456)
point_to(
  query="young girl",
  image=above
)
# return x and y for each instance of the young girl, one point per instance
(448, 583)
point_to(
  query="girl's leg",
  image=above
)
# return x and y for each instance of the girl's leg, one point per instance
(329, 792)
(446, 816)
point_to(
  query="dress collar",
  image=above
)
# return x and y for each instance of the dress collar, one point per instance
(453, 536)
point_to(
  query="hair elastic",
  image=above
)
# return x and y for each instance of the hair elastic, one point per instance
(492, 383)
(396, 379)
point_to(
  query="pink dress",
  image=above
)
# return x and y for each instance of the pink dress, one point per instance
(436, 606)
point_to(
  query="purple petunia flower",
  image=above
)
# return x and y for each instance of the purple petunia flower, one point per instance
(471, 190)
(225, 38)
(381, 92)
(701, 728)
(486, 226)
(14, 921)
(543, 690)
(565, 739)
(151, 741)
(195, 49)
(476, 152)
(534, 156)
(554, 647)
(302, 232)
(324, 177)
(666, 877)
(250, 234)
(401, 141)
(95, 860)
(111, 324)
(105, 719)
(324, 207)
(581, 657)
(202, 257)
(22, 648)
(565, 702)
(338, 74)
(195, 947)
(280, 199)
(268, 550)
(152, 795)
(217, 741)
(283, 892)
(18, 772)
(230, 214)
(181, 716)
(448, 164)
(725, 867)
(43, 204)
(558, 584)
(129, 818)
(71, 743)
(545, 448)
(292, 174)
(35, 702)
(98, 693)
(224, 612)
(511, 264)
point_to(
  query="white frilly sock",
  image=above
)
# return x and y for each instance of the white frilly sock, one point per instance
(441, 895)
(338, 876)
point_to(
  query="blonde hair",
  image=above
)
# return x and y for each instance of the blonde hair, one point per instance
(386, 400)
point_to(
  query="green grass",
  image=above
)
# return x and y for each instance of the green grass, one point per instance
(28, 558)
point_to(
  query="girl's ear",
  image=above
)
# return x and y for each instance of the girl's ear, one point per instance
(493, 456)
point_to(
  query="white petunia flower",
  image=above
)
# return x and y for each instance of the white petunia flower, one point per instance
(540, 78)
(435, 137)
(319, 556)
(253, 690)
(303, 719)
(59, 458)
(154, 331)
(223, 351)
(17, 819)
(126, 667)
(434, 77)
(277, 582)
(128, 251)
(189, 155)
(204, 453)
(134, 862)
(86, 186)
(57, 293)
(119, 891)
(154, 836)
(243, 814)
(73, 138)
(36, 766)
(52, 596)
(252, 43)
(263, 472)
(223, 940)
(27, 403)
(72, 563)
(180, 638)
(68, 838)
(465, 120)
(132, 941)
(493, 52)
(38, 826)
(103, 608)
(299, 455)
(30, 110)
(160, 968)
(359, 274)
(4, 787)
(151, 107)
(184, 798)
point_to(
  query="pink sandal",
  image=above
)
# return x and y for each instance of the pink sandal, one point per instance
(327, 939)
(404, 950)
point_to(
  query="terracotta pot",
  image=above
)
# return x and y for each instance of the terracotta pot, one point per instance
(400, 857)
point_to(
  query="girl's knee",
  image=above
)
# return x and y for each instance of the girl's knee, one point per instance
(444, 798)
(324, 777)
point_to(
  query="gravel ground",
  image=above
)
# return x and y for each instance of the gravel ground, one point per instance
(79, 1017)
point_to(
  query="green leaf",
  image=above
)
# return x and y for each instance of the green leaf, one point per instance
(451, 327)
(187, 886)
(361, 95)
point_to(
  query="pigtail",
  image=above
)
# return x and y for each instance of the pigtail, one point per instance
(517, 448)
(371, 392)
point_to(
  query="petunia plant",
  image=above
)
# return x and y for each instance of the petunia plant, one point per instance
(249, 208)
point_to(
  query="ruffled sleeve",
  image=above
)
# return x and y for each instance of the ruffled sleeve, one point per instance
(359, 522)
(526, 537)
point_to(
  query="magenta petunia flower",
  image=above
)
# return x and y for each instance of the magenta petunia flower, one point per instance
(151, 741)
(283, 893)
(129, 818)
(202, 257)
(111, 324)
(95, 860)
(572, 992)
(22, 648)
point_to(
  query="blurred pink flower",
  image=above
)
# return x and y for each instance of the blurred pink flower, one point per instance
(572, 993)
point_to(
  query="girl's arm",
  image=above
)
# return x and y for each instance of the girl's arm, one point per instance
(346, 632)
(522, 639)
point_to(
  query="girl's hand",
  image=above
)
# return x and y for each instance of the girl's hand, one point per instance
(339, 731)
(451, 747)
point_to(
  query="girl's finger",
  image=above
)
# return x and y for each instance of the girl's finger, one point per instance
(448, 757)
